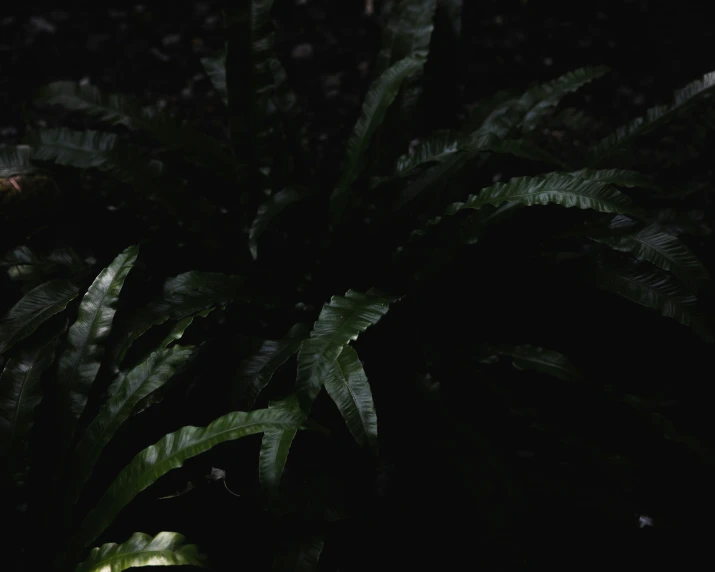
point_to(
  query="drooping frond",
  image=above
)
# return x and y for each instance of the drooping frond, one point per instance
(691, 94)
(659, 291)
(553, 188)
(340, 321)
(165, 549)
(124, 110)
(169, 453)
(382, 93)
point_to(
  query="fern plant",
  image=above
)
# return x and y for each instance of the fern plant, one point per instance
(55, 424)
(411, 220)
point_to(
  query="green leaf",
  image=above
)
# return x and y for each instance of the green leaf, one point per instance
(618, 177)
(453, 8)
(382, 93)
(407, 33)
(661, 249)
(539, 359)
(542, 99)
(255, 373)
(124, 110)
(556, 188)
(433, 149)
(169, 453)
(302, 556)
(20, 394)
(251, 69)
(659, 291)
(165, 549)
(348, 387)
(503, 114)
(98, 150)
(340, 321)
(23, 264)
(35, 307)
(267, 212)
(655, 116)
(79, 363)
(15, 160)
(215, 68)
(177, 331)
(184, 295)
(275, 446)
(137, 384)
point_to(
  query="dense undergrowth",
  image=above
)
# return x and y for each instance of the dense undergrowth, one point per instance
(441, 280)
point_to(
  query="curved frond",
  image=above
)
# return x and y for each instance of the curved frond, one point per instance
(539, 359)
(255, 372)
(382, 93)
(124, 110)
(15, 160)
(215, 68)
(340, 321)
(183, 295)
(661, 249)
(553, 188)
(659, 291)
(347, 385)
(169, 453)
(275, 446)
(407, 33)
(20, 394)
(251, 68)
(542, 99)
(165, 549)
(617, 177)
(654, 117)
(301, 556)
(137, 384)
(34, 308)
(267, 212)
(79, 362)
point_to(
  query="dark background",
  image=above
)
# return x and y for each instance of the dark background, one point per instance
(328, 47)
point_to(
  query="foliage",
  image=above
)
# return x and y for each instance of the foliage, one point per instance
(421, 238)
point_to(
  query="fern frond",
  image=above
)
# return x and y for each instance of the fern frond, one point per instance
(691, 94)
(124, 110)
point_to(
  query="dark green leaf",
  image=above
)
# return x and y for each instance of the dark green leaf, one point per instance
(340, 321)
(184, 295)
(169, 453)
(15, 160)
(556, 188)
(251, 81)
(20, 394)
(215, 68)
(539, 359)
(165, 549)
(267, 212)
(137, 384)
(255, 373)
(654, 117)
(661, 249)
(80, 361)
(382, 93)
(35, 307)
(407, 34)
(124, 110)
(303, 556)
(659, 291)
(348, 387)
(618, 177)
(275, 447)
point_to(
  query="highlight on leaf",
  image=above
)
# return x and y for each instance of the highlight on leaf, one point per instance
(165, 549)
(340, 322)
